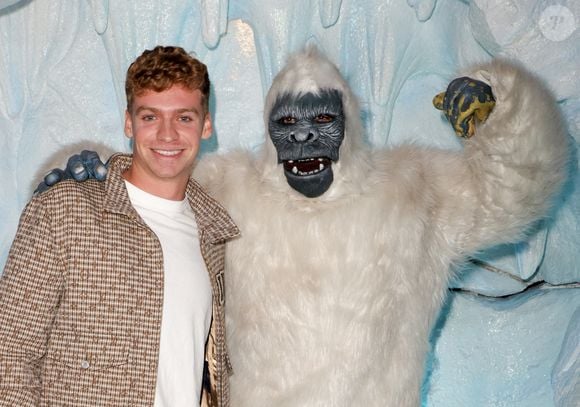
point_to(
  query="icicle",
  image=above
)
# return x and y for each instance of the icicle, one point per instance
(384, 57)
(214, 21)
(529, 254)
(423, 8)
(100, 13)
(11, 84)
(12, 67)
(329, 12)
(8, 3)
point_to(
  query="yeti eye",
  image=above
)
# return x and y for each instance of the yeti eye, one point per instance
(287, 120)
(323, 118)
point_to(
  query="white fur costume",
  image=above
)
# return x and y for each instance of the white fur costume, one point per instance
(330, 300)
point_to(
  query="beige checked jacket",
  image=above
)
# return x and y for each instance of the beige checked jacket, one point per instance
(81, 298)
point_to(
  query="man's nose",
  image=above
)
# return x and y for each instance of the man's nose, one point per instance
(167, 131)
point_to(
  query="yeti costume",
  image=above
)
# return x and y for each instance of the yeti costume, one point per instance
(331, 299)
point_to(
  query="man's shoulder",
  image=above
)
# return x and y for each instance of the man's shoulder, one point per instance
(201, 199)
(90, 191)
(210, 215)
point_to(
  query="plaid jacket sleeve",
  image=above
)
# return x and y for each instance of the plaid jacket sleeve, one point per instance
(30, 289)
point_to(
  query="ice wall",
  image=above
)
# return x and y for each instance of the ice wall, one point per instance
(510, 333)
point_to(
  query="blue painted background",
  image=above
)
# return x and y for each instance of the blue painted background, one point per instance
(509, 335)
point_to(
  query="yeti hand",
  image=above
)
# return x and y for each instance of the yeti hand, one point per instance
(465, 101)
(80, 167)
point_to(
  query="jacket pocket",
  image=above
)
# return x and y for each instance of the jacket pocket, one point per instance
(86, 369)
(89, 352)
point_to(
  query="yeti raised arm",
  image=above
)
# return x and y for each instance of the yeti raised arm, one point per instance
(509, 172)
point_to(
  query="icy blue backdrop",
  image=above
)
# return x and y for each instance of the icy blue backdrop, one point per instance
(509, 335)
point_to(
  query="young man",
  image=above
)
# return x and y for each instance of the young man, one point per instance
(128, 315)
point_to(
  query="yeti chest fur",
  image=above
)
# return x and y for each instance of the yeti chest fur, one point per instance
(326, 295)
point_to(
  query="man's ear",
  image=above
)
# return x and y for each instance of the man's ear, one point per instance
(128, 125)
(207, 127)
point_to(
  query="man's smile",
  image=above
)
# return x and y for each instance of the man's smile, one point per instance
(168, 153)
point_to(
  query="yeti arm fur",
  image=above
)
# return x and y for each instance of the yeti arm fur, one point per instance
(509, 172)
(220, 174)
(208, 171)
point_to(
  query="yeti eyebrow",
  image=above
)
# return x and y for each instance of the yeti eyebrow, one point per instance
(326, 101)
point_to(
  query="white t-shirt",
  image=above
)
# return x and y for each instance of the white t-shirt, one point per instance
(187, 298)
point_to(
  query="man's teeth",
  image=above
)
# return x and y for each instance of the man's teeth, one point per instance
(168, 153)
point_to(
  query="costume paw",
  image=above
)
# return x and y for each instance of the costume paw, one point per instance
(80, 167)
(465, 101)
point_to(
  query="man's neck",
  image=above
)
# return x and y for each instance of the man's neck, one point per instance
(166, 190)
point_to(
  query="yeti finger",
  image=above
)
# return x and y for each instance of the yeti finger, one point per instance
(75, 168)
(93, 165)
(55, 175)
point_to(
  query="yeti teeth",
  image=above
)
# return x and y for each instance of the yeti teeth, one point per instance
(296, 171)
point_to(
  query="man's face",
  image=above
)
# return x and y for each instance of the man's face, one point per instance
(166, 128)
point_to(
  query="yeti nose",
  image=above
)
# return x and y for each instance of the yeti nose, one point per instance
(302, 136)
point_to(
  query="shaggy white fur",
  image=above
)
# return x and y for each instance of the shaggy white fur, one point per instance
(330, 300)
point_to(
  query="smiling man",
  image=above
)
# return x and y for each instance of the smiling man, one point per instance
(113, 291)
(166, 128)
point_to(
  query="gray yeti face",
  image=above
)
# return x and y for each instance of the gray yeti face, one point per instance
(307, 131)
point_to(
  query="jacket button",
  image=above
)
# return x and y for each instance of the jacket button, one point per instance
(85, 364)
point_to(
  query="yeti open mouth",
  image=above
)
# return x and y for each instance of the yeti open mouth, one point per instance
(307, 166)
